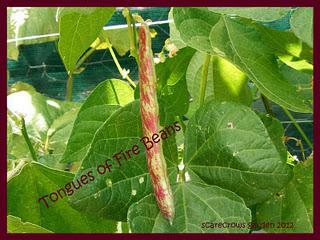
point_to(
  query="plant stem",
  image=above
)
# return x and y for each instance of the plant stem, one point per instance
(204, 77)
(27, 139)
(84, 57)
(126, 76)
(304, 136)
(70, 77)
(181, 175)
(135, 43)
(267, 104)
(46, 144)
(132, 33)
(69, 88)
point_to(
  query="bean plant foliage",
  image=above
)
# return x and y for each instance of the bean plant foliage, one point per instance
(229, 168)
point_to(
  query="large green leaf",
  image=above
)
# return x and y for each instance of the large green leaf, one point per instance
(224, 82)
(78, 28)
(264, 14)
(102, 102)
(229, 83)
(196, 205)
(227, 145)
(240, 43)
(35, 181)
(14, 225)
(302, 24)
(29, 22)
(290, 49)
(292, 206)
(112, 193)
(194, 26)
(172, 88)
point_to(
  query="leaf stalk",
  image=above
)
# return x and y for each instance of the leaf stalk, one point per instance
(70, 77)
(122, 71)
(69, 88)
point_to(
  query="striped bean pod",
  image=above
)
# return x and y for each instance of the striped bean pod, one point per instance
(150, 123)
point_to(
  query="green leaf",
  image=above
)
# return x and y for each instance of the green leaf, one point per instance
(42, 115)
(292, 205)
(38, 111)
(15, 225)
(239, 43)
(113, 192)
(263, 14)
(171, 85)
(229, 83)
(302, 24)
(195, 205)
(119, 39)
(227, 145)
(101, 103)
(10, 163)
(27, 22)
(304, 184)
(35, 181)
(57, 138)
(194, 26)
(276, 133)
(173, 69)
(290, 49)
(50, 148)
(78, 28)
(173, 102)
(225, 82)
(9, 136)
(174, 33)
(19, 148)
(301, 80)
